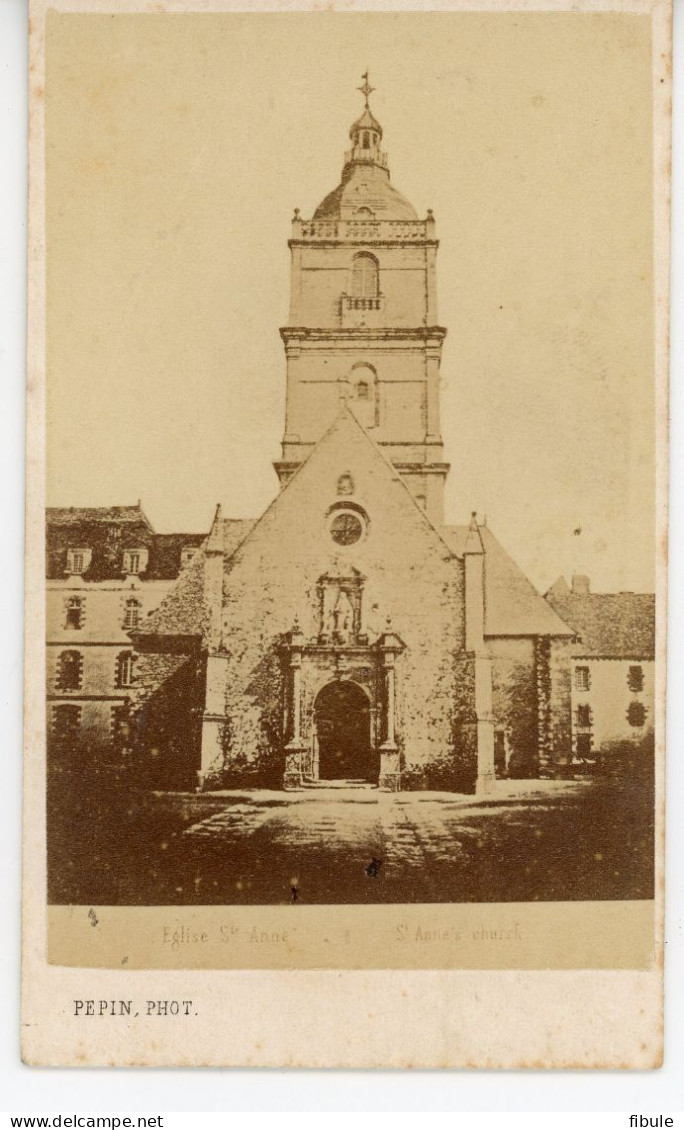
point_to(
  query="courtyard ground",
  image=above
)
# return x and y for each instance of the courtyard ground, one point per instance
(527, 841)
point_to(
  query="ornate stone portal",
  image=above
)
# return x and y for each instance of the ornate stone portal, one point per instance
(340, 716)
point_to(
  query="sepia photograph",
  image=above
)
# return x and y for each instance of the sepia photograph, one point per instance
(350, 415)
(346, 535)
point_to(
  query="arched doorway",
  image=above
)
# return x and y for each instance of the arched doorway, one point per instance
(342, 713)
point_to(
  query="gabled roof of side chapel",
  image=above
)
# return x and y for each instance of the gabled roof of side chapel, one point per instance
(513, 607)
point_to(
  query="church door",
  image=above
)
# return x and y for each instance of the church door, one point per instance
(343, 727)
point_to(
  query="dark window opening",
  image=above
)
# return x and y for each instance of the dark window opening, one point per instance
(66, 721)
(70, 671)
(74, 613)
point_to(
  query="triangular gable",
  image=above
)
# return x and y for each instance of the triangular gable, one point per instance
(346, 445)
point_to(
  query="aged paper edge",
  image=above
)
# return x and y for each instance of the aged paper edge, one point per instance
(387, 1018)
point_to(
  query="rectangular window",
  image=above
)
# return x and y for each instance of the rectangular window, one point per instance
(635, 679)
(78, 560)
(583, 716)
(74, 614)
(124, 669)
(636, 714)
(132, 614)
(66, 721)
(134, 563)
(582, 678)
(121, 724)
(70, 671)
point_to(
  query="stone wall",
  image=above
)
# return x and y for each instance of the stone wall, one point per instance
(167, 719)
(560, 670)
(515, 702)
(410, 576)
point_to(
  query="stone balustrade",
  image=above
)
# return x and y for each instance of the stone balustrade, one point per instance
(361, 231)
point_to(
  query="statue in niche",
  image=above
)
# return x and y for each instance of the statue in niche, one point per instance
(342, 625)
(340, 608)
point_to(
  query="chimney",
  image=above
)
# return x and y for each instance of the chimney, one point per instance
(580, 584)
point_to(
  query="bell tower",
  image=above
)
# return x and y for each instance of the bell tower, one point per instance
(363, 321)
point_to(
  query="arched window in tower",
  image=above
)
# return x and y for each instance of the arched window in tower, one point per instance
(365, 276)
(366, 143)
(362, 382)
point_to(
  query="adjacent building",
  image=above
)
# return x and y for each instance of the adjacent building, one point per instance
(613, 667)
(107, 570)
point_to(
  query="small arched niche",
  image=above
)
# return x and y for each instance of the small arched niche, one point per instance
(363, 400)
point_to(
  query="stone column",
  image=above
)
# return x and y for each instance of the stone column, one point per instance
(432, 425)
(545, 767)
(475, 643)
(295, 748)
(389, 691)
(390, 776)
(214, 718)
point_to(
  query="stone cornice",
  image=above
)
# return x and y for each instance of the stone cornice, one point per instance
(296, 334)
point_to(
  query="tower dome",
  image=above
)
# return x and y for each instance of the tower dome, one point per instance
(365, 190)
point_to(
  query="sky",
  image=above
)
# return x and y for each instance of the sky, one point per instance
(176, 150)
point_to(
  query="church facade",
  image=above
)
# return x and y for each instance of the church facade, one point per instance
(350, 633)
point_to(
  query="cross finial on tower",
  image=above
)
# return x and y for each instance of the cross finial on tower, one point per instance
(366, 89)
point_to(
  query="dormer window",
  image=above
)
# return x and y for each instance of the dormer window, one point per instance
(187, 554)
(135, 561)
(78, 561)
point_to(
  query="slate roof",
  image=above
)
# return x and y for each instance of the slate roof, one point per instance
(618, 625)
(108, 531)
(183, 611)
(165, 554)
(513, 607)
